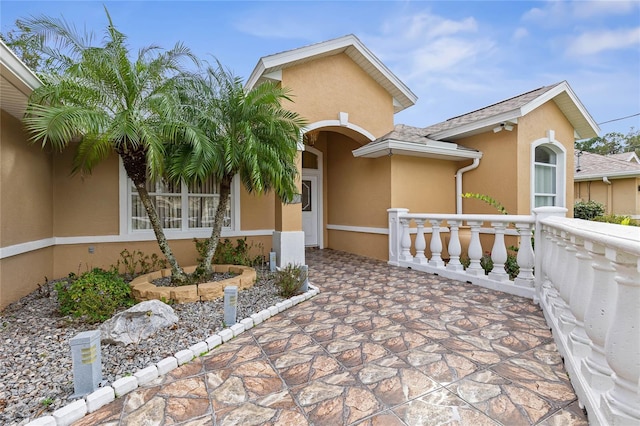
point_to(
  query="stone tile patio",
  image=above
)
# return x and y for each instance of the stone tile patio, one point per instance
(378, 346)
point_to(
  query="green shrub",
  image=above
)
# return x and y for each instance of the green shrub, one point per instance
(290, 280)
(617, 219)
(95, 295)
(228, 254)
(135, 263)
(587, 210)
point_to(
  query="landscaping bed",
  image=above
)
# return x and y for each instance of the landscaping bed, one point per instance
(35, 357)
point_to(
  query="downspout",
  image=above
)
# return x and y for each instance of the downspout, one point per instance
(609, 194)
(474, 165)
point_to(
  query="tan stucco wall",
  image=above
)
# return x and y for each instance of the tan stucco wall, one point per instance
(375, 246)
(423, 184)
(85, 205)
(327, 86)
(26, 203)
(358, 190)
(257, 211)
(534, 126)
(497, 175)
(620, 198)
(20, 275)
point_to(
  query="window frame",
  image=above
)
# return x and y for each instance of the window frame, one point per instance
(126, 200)
(560, 168)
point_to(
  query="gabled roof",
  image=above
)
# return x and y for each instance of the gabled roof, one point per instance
(412, 141)
(270, 67)
(626, 156)
(509, 110)
(595, 166)
(17, 82)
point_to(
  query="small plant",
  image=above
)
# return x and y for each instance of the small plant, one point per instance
(489, 200)
(228, 254)
(290, 280)
(95, 295)
(587, 210)
(617, 219)
(43, 289)
(135, 263)
(47, 402)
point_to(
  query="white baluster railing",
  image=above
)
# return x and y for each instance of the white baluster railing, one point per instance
(585, 276)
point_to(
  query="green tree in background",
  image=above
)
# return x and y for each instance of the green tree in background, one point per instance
(612, 143)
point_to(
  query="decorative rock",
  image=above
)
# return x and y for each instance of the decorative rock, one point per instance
(166, 365)
(184, 356)
(273, 310)
(213, 341)
(124, 385)
(266, 314)
(138, 323)
(100, 398)
(257, 318)
(146, 375)
(70, 413)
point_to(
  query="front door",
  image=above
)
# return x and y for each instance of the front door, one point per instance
(310, 210)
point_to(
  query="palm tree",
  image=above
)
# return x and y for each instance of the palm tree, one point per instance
(107, 102)
(248, 133)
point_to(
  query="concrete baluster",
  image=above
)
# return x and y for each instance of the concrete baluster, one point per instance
(525, 257)
(420, 243)
(598, 317)
(395, 234)
(436, 245)
(566, 320)
(499, 253)
(579, 343)
(454, 246)
(621, 404)
(475, 249)
(405, 243)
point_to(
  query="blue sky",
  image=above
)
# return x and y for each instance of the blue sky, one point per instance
(457, 56)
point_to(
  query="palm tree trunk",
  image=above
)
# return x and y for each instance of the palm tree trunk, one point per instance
(177, 274)
(223, 202)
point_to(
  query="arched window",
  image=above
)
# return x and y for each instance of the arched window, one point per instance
(545, 184)
(548, 173)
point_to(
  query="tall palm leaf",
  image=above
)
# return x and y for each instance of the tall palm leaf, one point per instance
(106, 101)
(248, 133)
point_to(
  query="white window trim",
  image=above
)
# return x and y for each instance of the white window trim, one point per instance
(561, 168)
(125, 208)
(320, 175)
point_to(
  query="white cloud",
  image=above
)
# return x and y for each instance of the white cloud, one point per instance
(555, 12)
(590, 43)
(520, 33)
(588, 9)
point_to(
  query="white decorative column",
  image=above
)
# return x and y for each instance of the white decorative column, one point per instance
(436, 245)
(454, 247)
(621, 404)
(525, 257)
(475, 249)
(566, 320)
(499, 253)
(541, 213)
(420, 244)
(289, 247)
(395, 234)
(598, 318)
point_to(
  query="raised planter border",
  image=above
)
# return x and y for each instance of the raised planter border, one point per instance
(142, 287)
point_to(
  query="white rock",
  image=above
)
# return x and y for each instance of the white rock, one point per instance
(138, 323)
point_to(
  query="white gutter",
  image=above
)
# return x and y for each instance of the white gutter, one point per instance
(474, 165)
(606, 180)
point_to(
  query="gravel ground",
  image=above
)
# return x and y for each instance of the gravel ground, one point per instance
(35, 357)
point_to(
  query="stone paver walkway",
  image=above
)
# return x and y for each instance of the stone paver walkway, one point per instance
(378, 346)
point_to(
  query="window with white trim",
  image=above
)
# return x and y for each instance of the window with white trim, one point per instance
(180, 207)
(545, 177)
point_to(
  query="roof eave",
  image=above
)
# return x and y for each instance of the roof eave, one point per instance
(611, 175)
(267, 64)
(18, 68)
(396, 147)
(486, 123)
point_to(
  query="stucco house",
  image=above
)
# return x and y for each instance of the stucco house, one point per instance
(612, 180)
(355, 164)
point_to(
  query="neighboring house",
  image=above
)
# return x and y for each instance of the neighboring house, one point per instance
(626, 156)
(612, 180)
(355, 164)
